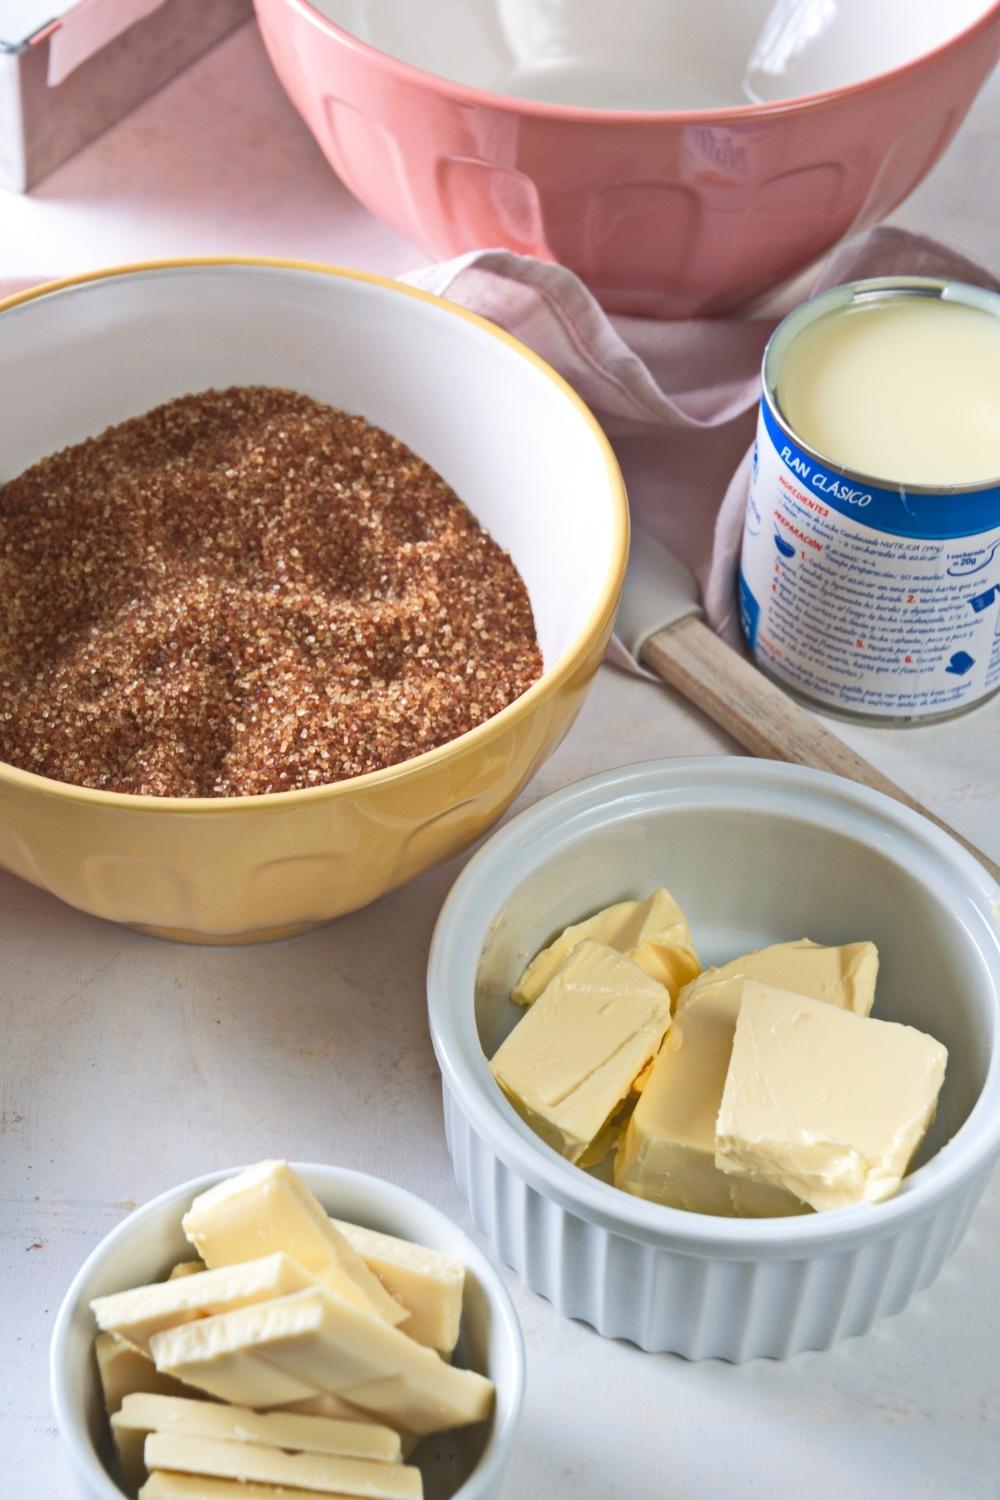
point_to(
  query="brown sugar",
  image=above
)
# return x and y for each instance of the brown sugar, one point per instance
(246, 591)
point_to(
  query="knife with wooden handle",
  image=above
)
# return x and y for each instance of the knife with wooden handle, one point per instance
(660, 623)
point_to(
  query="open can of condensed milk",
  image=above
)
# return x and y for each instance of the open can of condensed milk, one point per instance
(870, 573)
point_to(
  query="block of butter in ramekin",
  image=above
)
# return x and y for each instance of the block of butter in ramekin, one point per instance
(653, 933)
(667, 1152)
(754, 851)
(821, 1103)
(571, 1060)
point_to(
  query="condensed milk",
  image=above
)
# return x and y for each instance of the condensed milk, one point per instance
(870, 573)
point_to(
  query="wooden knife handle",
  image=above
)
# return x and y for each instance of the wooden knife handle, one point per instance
(762, 718)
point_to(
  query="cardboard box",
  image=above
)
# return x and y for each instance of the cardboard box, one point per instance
(71, 68)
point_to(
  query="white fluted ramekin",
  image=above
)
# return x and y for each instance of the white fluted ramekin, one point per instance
(755, 852)
(465, 1465)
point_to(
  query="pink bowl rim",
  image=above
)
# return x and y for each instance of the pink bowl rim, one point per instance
(465, 93)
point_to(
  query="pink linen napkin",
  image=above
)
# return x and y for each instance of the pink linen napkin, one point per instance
(678, 400)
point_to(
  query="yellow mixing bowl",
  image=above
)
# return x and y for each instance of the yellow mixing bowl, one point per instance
(504, 430)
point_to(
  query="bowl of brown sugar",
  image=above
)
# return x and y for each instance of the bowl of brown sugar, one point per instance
(302, 575)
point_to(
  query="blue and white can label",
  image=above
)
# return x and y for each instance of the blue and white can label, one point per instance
(874, 602)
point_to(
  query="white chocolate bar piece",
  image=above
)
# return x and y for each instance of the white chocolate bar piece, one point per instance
(267, 1208)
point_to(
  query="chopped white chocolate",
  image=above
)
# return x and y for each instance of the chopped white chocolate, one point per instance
(667, 1152)
(137, 1314)
(166, 1486)
(843, 976)
(186, 1268)
(428, 1284)
(142, 1414)
(123, 1370)
(318, 1473)
(320, 1341)
(268, 1207)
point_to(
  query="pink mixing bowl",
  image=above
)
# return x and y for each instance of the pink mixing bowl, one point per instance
(668, 213)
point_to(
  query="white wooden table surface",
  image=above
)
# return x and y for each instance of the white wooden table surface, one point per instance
(128, 1064)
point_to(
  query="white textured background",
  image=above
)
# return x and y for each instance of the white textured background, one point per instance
(127, 1065)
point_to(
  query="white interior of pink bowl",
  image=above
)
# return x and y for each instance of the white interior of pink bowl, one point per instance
(146, 1244)
(655, 54)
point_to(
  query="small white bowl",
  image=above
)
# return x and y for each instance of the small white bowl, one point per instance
(678, 55)
(464, 1465)
(755, 852)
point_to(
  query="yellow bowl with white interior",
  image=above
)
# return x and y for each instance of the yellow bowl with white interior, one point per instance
(506, 432)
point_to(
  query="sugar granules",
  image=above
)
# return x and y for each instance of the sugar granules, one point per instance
(246, 591)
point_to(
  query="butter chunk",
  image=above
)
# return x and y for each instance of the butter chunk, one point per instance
(653, 933)
(269, 1208)
(323, 1342)
(316, 1473)
(143, 1414)
(828, 1105)
(569, 1063)
(428, 1284)
(667, 1152)
(165, 1486)
(843, 976)
(123, 1371)
(137, 1314)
